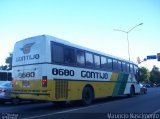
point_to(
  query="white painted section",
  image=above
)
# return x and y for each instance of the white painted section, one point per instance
(128, 85)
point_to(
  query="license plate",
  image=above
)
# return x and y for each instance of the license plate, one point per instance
(25, 84)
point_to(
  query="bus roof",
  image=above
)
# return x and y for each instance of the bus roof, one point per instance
(59, 40)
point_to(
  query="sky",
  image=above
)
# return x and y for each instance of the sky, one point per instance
(88, 23)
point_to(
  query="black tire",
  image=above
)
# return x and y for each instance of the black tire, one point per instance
(87, 96)
(145, 92)
(132, 91)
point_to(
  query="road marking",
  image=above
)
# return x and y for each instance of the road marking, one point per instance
(66, 111)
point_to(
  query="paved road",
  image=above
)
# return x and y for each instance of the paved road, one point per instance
(139, 106)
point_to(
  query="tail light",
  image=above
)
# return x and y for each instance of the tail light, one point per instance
(2, 90)
(44, 81)
(12, 82)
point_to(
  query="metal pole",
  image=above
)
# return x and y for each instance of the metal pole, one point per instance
(127, 36)
(128, 47)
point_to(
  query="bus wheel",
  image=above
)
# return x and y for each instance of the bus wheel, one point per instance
(132, 91)
(87, 96)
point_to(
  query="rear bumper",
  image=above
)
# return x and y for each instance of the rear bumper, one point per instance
(31, 96)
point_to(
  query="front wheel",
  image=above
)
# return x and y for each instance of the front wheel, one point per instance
(87, 96)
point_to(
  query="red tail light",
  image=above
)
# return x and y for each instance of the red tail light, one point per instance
(2, 90)
(44, 81)
(12, 82)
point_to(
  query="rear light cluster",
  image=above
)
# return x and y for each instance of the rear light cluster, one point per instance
(44, 81)
(12, 82)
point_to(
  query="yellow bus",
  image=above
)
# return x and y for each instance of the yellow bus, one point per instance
(51, 69)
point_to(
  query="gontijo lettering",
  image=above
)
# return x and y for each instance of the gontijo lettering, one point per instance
(27, 57)
(84, 74)
(95, 75)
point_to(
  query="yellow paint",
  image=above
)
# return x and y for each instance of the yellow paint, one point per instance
(75, 88)
(114, 76)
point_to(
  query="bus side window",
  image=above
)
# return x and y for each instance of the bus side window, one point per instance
(57, 53)
(136, 73)
(119, 66)
(123, 66)
(135, 69)
(109, 65)
(127, 67)
(89, 59)
(80, 58)
(103, 62)
(131, 69)
(115, 65)
(69, 55)
(97, 61)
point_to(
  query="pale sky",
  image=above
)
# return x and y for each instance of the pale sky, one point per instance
(87, 23)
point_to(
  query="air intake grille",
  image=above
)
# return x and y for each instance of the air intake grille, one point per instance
(61, 89)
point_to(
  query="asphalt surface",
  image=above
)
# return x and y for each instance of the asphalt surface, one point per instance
(140, 106)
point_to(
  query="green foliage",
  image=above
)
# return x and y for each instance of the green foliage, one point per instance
(3, 67)
(155, 75)
(8, 62)
(144, 75)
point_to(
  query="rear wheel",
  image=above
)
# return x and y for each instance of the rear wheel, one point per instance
(132, 91)
(87, 96)
(145, 92)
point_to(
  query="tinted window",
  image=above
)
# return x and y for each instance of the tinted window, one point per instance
(115, 66)
(69, 55)
(57, 53)
(127, 67)
(80, 58)
(131, 69)
(103, 62)
(124, 67)
(89, 59)
(135, 69)
(109, 66)
(119, 65)
(97, 61)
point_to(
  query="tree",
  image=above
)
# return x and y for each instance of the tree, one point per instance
(144, 75)
(155, 75)
(3, 67)
(8, 62)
